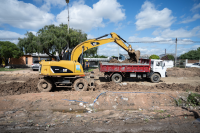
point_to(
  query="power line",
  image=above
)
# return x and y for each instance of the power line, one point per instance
(162, 41)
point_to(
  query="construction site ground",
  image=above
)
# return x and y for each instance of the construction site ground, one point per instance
(135, 105)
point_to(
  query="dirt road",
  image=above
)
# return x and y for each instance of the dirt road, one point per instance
(131, 106)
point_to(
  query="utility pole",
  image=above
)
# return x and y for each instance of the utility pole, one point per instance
(118, 52)
(176, 53)
(67, 1)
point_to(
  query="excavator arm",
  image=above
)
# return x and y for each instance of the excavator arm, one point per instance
(97, 42)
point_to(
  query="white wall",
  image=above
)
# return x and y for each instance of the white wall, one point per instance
(169, 64)
(189, 64)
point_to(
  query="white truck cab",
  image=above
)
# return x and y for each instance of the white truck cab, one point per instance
(158, 66)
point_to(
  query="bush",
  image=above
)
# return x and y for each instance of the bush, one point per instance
(154, 57)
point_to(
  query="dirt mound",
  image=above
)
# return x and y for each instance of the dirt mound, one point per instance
(125, 61)
(97, 72)
(134, 58)
(111, 86)
(16, 88)
(183, 72)
(114, 61)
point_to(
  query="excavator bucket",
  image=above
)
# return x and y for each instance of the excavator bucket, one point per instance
(134, 55)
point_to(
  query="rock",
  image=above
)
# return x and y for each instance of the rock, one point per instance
(191, 108)
(80, 104)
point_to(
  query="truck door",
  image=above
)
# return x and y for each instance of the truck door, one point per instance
(160, 68)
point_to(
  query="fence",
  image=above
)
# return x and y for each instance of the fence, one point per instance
(181, 63)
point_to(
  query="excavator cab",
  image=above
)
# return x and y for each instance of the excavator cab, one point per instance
(67, 56)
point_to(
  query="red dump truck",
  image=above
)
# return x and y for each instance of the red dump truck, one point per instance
(146, 68)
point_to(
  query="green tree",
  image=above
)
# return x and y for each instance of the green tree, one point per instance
(168, 57)
(28, 44)
(91, 52)
(51, 39)
(154, 57)
(192, 54)
(9, 50)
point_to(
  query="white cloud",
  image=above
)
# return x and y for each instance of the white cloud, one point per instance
(85, 18)
(194, 18)
(109, 9)
(48, 3)
(195, 46)
(89, 36)
(150, 17)
(10, 36)
(159, 40)
(23, 15)
(195, 7)
(34, 32)
(38, 1)
(112, 46)
(180, 33)
(182, 16)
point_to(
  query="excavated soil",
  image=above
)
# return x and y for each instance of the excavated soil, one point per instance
(183, 72)
(125, 61)
(134, 58)
(30, 84)
(17, 88)
(152, 108)
(112, 86)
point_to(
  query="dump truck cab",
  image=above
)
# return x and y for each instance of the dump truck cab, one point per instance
(158, 66)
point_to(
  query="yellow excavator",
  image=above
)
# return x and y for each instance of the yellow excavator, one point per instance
(70, 72)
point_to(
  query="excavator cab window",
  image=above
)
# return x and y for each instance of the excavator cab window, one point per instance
(67, 55)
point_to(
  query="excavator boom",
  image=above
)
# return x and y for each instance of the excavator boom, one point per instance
(97, 42)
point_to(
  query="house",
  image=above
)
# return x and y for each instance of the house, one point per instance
(28, 59)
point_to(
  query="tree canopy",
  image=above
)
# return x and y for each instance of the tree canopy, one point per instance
(51, 39)
(154, 57)
(168, 57)
(91, 52)
(9, 50)
(192, 54)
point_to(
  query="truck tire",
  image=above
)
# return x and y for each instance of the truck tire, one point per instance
(155, 78)
(44, 85)
(80, 85)
(117, 78)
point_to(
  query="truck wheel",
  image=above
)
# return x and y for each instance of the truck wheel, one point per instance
(117, 78)
(155, 78)
(80, 85)
(44, 85)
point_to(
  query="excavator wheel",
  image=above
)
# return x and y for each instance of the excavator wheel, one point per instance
(44, 85)
(80, 85)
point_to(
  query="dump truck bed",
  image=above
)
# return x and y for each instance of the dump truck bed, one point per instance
(143, 66)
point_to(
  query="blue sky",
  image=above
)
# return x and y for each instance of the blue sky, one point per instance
(133, 20)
